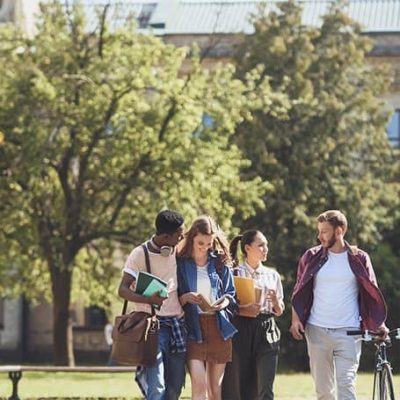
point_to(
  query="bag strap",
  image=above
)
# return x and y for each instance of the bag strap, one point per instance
(125, 306)
(148, 268)
(146, 256)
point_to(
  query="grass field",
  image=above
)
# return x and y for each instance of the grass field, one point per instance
(35, 385)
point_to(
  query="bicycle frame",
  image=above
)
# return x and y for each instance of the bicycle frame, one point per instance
(382, 365)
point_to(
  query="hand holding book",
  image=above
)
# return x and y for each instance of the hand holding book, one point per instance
(190, 297)
(156, 300)
(217, 305)
(203, 303)
(153, 287)
(249, 296)
(249, 310)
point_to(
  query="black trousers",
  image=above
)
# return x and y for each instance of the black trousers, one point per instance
(251, 374)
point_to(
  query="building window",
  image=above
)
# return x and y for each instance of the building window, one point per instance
(394, 129)
(145, 15)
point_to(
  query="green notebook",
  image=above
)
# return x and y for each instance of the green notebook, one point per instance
(148, 284)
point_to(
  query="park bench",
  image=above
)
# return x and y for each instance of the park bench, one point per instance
(15, 372)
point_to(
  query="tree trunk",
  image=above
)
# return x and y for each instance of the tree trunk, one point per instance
(62, 328)
(59, 257)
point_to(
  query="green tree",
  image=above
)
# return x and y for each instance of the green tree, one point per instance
(100, 130)
(330, 150)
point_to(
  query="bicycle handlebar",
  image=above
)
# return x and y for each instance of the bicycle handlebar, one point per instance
(355, 333)
(370, 335)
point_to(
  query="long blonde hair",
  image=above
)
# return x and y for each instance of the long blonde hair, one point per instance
(205, 225)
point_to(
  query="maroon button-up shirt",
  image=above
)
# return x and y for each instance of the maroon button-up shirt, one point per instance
(370, 299)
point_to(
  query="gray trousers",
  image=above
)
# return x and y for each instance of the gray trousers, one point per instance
(251, 374)
(334, 360)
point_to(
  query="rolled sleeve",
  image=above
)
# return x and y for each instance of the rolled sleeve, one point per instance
(134, 263)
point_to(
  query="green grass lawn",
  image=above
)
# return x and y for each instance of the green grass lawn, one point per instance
(301, 387)
(35, 385)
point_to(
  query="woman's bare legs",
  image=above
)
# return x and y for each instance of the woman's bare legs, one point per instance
(198, 378)
(215, 374)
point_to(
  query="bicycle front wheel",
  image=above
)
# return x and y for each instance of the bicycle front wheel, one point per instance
(386, 391)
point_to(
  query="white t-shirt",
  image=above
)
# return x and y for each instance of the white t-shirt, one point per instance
(164, 268)
(203, 283)
(335, 303)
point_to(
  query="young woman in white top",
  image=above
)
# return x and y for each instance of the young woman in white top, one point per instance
(255, 347)
(204, 277)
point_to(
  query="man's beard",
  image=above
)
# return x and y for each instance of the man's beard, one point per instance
(331, 242)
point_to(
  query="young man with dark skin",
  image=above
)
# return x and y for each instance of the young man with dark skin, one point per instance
(163, 381)
(335, 291)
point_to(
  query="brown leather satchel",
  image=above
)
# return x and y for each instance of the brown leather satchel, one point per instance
(135, 339)
(135, 335)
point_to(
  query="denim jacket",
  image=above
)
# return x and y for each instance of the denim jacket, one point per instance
(187, 282)
(370, 299)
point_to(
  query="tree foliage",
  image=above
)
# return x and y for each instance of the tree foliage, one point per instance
(101, 130)
(330, 149)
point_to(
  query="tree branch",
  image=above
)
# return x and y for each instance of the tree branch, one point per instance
(84, 162)
(112, 108)
(170, 114)
(63, 168)
(45, 234)
(102, 29)
(125, 192)
(213, 40)
(172, 111)
(121, 235)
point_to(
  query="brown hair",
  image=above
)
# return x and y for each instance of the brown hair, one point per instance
(205, 225)
(334, 217)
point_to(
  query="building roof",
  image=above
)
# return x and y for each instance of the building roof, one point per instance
(184, 17)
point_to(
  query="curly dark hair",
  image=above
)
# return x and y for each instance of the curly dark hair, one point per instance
(168, 221)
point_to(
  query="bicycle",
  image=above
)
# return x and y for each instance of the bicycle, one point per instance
(383, 378)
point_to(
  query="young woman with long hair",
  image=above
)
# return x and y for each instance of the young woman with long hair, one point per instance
(204, 277)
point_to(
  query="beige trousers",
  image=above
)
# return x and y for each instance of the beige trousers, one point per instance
(334, 360)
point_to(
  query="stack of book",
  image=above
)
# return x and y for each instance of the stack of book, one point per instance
(247, 293)
(148, 284)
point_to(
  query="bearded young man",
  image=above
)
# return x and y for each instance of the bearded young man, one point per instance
(335, 291)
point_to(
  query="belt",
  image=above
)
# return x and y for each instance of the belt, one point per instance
(264, 316)
(261, 316)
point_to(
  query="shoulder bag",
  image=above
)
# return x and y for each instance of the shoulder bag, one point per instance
(135, 335)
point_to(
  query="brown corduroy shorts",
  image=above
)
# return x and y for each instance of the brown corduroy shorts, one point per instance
(213, 348)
